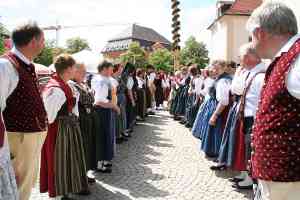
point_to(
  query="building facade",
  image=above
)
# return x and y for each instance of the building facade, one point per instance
(148, 39)
(228, 30)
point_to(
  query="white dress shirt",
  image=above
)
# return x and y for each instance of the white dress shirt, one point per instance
(293, 77)
(253, 94)
(222, 91)
(101, 85)
(54, 99)
(9, 77)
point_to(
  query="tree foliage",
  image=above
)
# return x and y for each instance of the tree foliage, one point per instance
(76, 44)
(194, 52)
(161, 59)
(46, 56)
(135, 55)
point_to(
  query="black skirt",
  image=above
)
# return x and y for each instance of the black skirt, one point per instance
(88, 120)
(141, 103)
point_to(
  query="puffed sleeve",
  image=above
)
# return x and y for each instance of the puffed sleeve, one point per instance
(54, 99)
(222, 91)
(293, 79)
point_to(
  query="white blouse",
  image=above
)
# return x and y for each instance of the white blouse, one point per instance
(199, 85)
(130, 83)
(140, 81)
(222, 91)
(238, 84)
(54, 99)
(253, 94)
(101, 85)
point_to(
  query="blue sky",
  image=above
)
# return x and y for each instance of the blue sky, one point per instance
(195, 16)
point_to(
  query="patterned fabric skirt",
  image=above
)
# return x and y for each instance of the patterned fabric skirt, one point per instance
(226, 153)
(105, 135)
(87, 125)
(70, 168)
(182, 101)
(212, 135)
(174, 99)
(202, 118)
(8, 186)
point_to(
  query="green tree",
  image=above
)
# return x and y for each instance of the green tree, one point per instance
(76, 44)
(47, 54)
(135, 55)
(161, 59)
(194, 52)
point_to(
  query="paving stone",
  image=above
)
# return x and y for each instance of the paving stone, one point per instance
(161, 161)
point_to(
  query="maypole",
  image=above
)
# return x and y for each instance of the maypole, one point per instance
(175, 32)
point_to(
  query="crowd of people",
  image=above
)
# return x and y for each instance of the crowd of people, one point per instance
(72, 123)
(246, 115)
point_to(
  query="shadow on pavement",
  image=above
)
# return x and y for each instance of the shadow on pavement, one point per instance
(131, 177)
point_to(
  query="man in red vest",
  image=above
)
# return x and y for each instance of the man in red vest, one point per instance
(276, 131)
(24, 115)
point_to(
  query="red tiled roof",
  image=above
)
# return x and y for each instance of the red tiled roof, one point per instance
(243, 7)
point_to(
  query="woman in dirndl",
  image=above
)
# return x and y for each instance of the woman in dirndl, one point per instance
(63, 145)
(131, 97)
(141, 95)
(216, 112)
(199, 125)
(226, 153)
(106, 107)
(87, 117)
(120, 80)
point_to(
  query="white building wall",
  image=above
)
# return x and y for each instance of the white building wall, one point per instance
(218, 48)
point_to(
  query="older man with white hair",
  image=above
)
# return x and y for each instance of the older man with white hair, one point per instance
(276, 131)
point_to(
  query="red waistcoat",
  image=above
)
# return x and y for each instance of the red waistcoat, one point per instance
(25, 110)
(276, 132)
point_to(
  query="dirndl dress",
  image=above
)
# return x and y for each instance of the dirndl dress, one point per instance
(69, 177)
(87, 117)
(227, 149)
(201, 122)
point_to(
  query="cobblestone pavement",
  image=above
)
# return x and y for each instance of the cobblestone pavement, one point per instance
(161, 162)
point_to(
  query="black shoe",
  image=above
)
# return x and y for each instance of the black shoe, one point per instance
(124, 139)
(176, 118)
(84, 192)
(218, 168)
(91, 180)
(119, 140)
(239, 187)
(235, 180)
(67, 198)
(187, 125)
(108, 165)
(182, 122)
(151, 113)
(105, 171)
